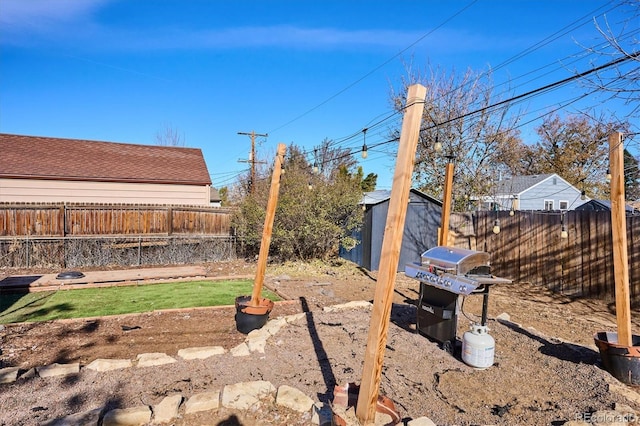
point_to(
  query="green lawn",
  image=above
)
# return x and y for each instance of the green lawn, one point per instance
(92, 302)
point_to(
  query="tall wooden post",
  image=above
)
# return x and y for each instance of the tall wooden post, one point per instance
(391, 244)
(268, 226)
(619, 233)
(446, 205)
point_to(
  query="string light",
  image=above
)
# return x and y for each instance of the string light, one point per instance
(511, 212)
(583, 195)
(563, 231)
(315, 161)
(364, 144)
(496, 226)
(438, 145)
(608, 177)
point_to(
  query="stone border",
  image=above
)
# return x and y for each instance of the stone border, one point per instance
(239, 396)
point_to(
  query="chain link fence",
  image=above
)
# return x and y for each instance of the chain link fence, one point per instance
(75, 252)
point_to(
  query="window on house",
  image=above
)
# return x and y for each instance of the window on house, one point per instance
(548, 204)
(564, 205)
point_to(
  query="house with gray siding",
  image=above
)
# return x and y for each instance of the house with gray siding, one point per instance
(420, 229)
(535, 192)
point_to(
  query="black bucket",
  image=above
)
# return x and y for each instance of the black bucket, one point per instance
(249, 318)
(623, 362)
(246, 323)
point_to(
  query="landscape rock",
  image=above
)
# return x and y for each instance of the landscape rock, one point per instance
(9, 374)
(167, 409)
(243, 395)
(102, 364)
(134, 416)
(153, 359)
(421, 421)
(201, 352)
(204, 401)
(257, 345)
(241, 350)
(293, 398)
(55, 369)
(357, 304)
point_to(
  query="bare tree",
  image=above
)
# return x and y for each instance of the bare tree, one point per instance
(460, 125)
(620, 43)
(170, 137)
(575, 147)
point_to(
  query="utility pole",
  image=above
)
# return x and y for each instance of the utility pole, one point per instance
(252, 157)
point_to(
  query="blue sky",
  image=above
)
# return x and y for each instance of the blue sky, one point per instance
(301, 71)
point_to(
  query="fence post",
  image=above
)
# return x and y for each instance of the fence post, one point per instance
(169, 220)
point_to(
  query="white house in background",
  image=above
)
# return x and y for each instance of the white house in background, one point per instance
(536, 192)
(36, 169)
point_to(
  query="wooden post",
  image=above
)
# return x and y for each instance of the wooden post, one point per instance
(446, 205)
(268, 225)
(391, 244)
(619, 233)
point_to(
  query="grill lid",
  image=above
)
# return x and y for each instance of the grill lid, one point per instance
(455, 260)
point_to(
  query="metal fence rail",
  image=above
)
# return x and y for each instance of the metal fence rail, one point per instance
(71, 252)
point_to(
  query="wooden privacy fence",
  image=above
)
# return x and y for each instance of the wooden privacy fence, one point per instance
(62, 220)
(529, 248)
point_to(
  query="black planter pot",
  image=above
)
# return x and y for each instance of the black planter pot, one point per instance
(622, 362)
(248, 317)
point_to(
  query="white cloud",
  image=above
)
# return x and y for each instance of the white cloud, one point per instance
(20, 16)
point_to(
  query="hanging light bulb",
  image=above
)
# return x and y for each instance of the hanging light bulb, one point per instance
(437, 146)
(608, 177)
(564, 233)
(310, 186)
(364, 142)
(511, 212)
(583, 195)
(496, 227)
(315, 168)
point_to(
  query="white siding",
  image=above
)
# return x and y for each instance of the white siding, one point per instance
(49, 191)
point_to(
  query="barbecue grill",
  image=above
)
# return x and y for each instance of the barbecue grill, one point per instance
(445, 274)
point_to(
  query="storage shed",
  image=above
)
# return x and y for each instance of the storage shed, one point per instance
(420, 229)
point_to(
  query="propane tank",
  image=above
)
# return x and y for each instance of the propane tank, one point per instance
(478, 347)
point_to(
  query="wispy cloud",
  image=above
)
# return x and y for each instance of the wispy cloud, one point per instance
(74, 23)
(40, 14)
(23, 20)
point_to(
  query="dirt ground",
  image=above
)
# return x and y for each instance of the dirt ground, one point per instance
(547, 369)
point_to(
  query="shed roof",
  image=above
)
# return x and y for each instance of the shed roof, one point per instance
(37, 157)
(381, 195)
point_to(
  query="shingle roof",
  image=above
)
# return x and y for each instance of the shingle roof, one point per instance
(517, 184)
(36, 157)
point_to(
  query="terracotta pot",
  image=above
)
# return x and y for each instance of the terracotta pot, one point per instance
(347, 396)
(249, 317)
(623, 362)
